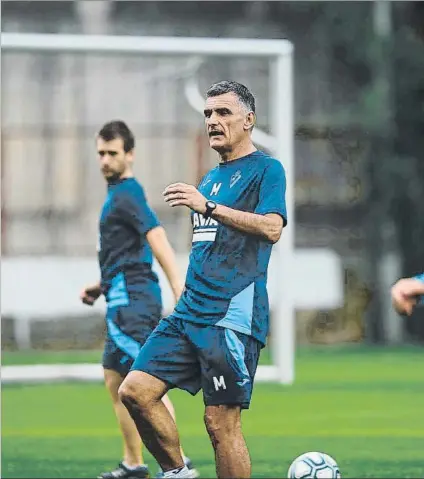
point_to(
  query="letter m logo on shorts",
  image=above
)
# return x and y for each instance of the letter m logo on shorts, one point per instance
(219, 383)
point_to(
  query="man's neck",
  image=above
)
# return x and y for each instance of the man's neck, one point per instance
(237, 152)
(126, 175)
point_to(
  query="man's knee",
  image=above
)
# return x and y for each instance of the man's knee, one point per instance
(127, 392)
(140, 389)
(222, 421)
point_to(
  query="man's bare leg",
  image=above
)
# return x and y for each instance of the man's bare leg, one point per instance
(223, 424)
(168, 403)
(132, 442)
(142, 395)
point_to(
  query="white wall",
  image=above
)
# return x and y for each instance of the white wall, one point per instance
(49, 286)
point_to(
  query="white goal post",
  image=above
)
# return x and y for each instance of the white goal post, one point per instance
(280, 142)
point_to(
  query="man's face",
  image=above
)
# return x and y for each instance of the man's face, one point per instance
(114, 161)
(227, 122)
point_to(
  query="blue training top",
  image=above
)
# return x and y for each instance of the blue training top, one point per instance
(227, 273)
(125, 256)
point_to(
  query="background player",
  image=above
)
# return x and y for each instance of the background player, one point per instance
(221, 320)
(129, 233)
(407, 293)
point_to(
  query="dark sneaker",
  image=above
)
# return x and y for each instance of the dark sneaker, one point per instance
(122, 472)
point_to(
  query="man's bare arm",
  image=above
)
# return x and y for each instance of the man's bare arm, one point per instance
(164, 253)
(407, 293)
(267, 226)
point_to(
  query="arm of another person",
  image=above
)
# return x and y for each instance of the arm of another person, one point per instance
(165, 254)
(407, 293)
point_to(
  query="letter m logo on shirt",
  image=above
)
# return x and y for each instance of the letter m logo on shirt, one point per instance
(215, 188)
(219, 383)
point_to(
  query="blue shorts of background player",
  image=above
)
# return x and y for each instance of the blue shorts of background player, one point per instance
(192, 356)
(121, 348)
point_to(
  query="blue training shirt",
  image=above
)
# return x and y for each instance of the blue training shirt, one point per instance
(125, 256)
(227, 273)
(420, 277)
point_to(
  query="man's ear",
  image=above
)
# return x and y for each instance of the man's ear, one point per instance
(249, 121)
(130, 156)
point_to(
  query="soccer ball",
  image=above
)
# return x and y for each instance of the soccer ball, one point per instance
(315, 465)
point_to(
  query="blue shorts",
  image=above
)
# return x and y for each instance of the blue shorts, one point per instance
(128, 328)
(193, 356)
